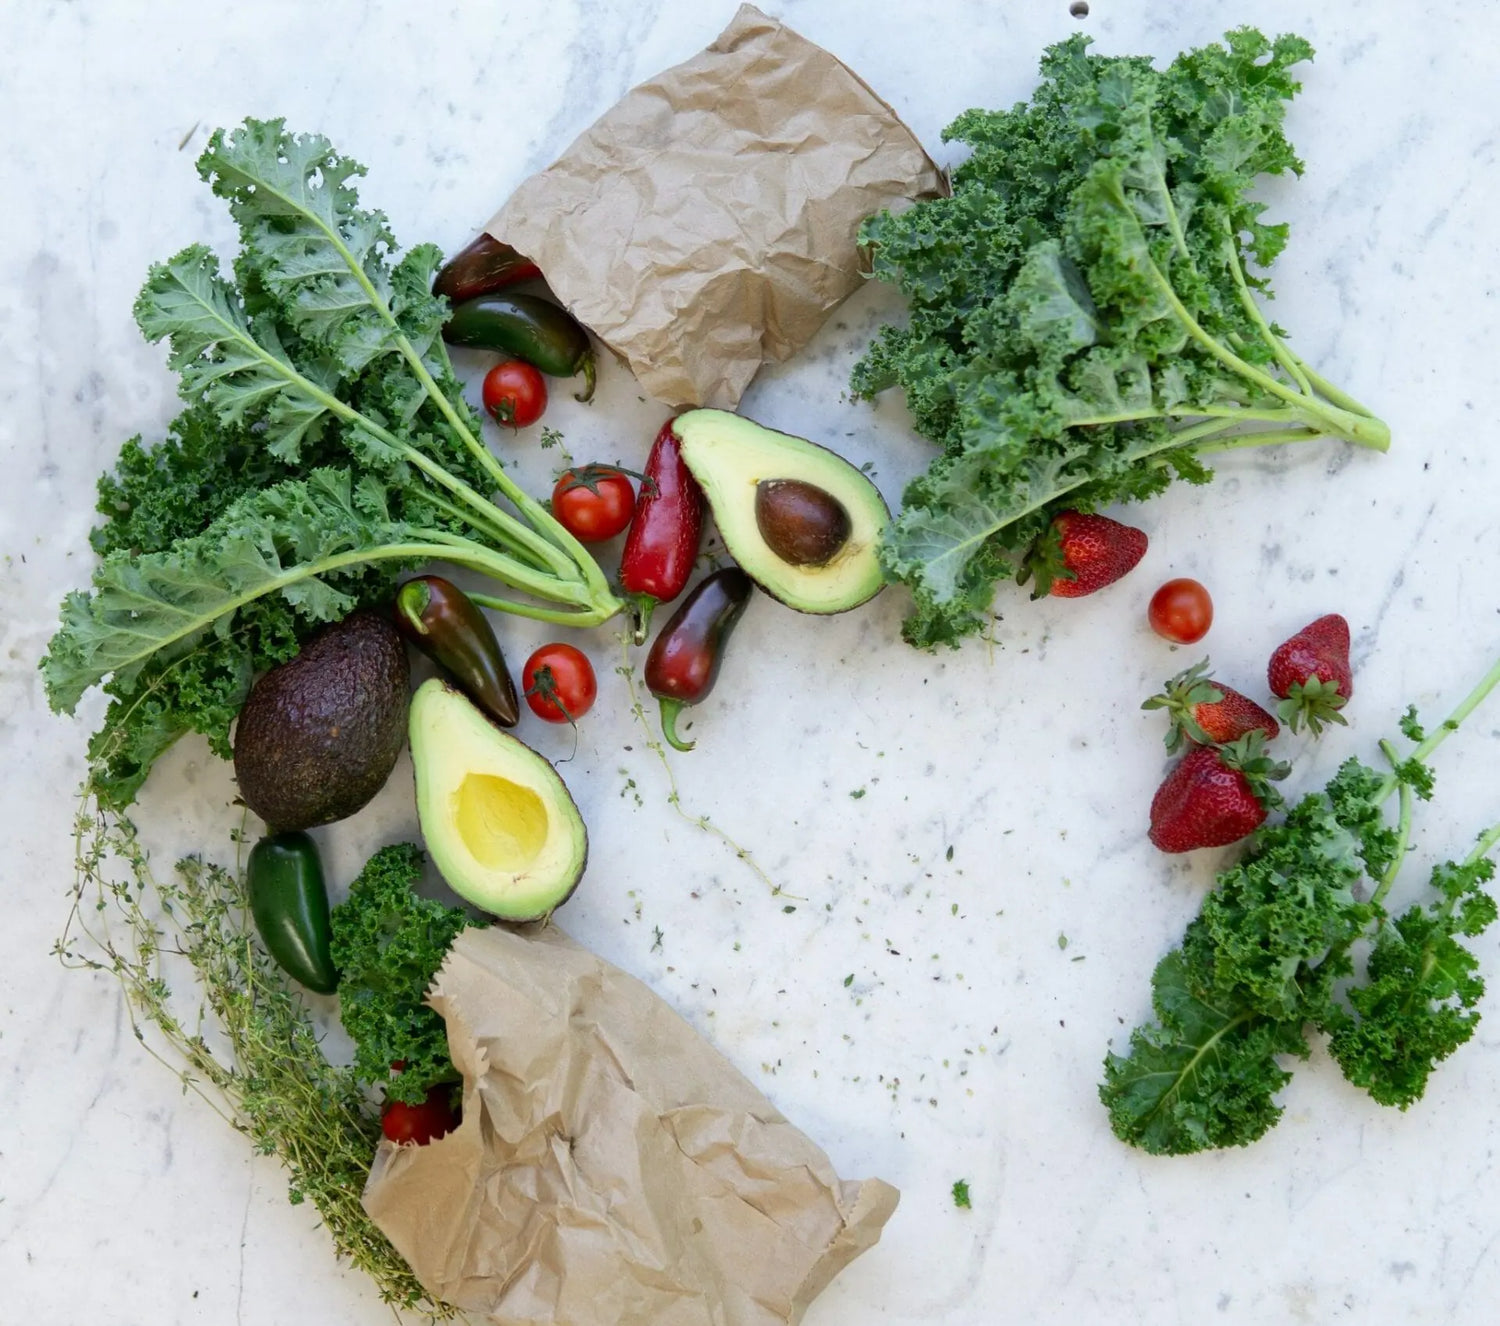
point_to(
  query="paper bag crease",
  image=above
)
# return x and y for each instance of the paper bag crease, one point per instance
(707, 223)
(612, 1168)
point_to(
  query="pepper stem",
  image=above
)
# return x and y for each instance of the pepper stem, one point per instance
(670, 708)
(641, 607)
(587, 368)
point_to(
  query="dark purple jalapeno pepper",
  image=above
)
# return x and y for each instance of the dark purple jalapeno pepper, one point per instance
(484, 267)
(446, 625)
(684, 659)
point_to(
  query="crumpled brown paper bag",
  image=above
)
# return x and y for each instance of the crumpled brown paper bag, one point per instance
(707, 223)
(612, 1168)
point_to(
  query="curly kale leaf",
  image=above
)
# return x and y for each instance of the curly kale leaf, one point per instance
(1272, 953)
(1203, 1075)
(388, 944)
(325, 445)
(1418, 1001)
(1082, 324)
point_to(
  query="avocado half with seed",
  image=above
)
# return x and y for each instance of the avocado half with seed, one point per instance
(800, 520)
(499, 823)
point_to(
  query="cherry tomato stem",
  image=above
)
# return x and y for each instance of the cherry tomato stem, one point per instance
(514, 394)
(594, 503)
(559, 683)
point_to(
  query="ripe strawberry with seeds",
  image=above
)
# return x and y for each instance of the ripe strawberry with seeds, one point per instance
(1215, 795)
(1082, 553)
(1206, 712)
(1311, 674)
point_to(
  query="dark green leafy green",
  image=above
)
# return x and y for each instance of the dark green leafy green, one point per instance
(1418, 1004)
(387, 945)
(1082, 324)
(1273, 952)
(325, 447)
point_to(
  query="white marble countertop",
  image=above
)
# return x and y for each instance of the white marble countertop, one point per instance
(946, 820)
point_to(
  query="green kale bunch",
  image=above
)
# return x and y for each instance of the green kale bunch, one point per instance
(1083, 326)
(324, 449)
(1273, 952)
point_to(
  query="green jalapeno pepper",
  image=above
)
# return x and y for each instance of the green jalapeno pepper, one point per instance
(290, 905)
(447, 625)
(527, 327)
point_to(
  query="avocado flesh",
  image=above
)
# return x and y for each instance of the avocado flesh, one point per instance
(730, 456)
(498, 821)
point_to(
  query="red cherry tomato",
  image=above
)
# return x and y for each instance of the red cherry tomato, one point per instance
(514, 394)
(1181, 611)
(559, 683)
(435, 1117)
(593, 503)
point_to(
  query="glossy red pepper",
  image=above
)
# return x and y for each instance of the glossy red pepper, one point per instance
(485, 266)
(447, 625)
(664, 534)
(684, 660)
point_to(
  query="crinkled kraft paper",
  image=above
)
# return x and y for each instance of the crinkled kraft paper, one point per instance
(612, 1168)
(707, 223)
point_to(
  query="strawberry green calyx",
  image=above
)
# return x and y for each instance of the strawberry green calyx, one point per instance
(1180, 697)
(1313, 704)
(1204, 712)
(1248, 757)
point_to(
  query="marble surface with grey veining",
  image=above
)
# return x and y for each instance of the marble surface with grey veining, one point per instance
(977, 908)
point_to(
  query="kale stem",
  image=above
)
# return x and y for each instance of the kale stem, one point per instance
(1264, 438)
(1403, 835)
(1484, 846)
(1283, 356)
(1449, 725)
(581, 617)
(1326, 388)
(536, 515)
(1359, 429)
(1235, 413)
(499, 533)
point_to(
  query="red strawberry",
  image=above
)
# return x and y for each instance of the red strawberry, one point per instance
(1214, 796)
(1084, 553)
(1312, 675)
(1207, 712)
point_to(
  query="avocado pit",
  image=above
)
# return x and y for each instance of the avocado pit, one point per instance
(800, 522)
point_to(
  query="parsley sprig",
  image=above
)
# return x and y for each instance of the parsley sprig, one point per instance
(1273, 952)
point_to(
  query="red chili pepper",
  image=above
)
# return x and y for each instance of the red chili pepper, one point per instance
(684, 660)
(485, 266)
(663, 542)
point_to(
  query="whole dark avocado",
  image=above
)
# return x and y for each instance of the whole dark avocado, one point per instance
(319, 735)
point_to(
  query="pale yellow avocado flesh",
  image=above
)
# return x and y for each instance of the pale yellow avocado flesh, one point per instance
(729, 455)
(499, 823)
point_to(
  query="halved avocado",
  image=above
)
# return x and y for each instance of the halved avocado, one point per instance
(736, 461)
(499, 823)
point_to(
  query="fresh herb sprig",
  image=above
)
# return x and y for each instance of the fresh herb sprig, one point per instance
(325, 446)
(1083, 315)
(1272, 953)
(249, 1048)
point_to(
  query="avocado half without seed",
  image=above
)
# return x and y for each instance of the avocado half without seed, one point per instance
(800, 520)
(498, 821)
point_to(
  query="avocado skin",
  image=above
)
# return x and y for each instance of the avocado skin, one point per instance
(319, 735)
